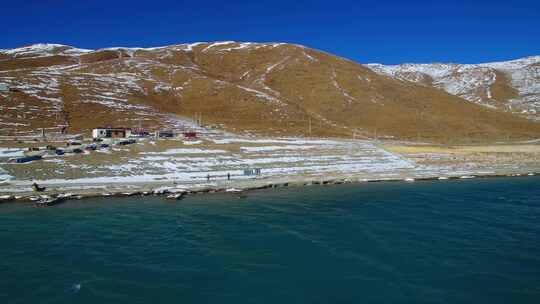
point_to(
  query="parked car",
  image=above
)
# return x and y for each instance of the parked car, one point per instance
(126, 142)
(91, 147)
(26, 159)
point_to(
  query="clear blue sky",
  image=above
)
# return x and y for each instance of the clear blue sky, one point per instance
(364, 31)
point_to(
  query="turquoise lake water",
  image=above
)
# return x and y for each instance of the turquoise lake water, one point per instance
(462, 241)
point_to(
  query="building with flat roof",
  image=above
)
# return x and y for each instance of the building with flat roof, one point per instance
(111, 132)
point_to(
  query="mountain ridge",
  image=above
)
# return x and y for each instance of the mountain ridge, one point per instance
(267, 88)
(474, 82)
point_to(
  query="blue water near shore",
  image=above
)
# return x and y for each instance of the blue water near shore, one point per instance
(462, 241)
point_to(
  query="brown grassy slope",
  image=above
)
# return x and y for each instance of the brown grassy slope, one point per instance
(399, 109)
(29, 63)
(93, 115)
(18, 112)
(377, 105)
(501, 90)
(277, 89)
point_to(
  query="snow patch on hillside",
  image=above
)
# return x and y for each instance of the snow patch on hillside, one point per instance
(43, 50)
(474, 82)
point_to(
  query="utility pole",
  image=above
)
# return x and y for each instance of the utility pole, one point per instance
(198, 118)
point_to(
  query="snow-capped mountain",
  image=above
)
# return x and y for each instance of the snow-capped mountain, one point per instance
(270, 88)
(510, 85)
(43, 50)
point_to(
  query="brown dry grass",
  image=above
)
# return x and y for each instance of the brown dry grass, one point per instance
(501, 90)
(29, 63)
(501, 148)
(339, 97)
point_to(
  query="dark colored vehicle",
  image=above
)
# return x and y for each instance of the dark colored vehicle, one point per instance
(27, 159)
(165, 134)
(126, 142)
(91, 147)
(190, 135)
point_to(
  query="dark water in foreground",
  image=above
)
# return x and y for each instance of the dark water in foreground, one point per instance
(473, 241)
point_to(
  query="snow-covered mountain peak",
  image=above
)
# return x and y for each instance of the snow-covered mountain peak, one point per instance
(43, 50)
(510, 85)
(513, 64)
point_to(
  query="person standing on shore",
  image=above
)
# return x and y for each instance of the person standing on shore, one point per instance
(228, 176)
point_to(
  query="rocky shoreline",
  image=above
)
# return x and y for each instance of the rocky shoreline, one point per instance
(177, 192)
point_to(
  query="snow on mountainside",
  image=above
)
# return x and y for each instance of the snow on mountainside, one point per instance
(524, 76)
(43, 50)
(513, 86)
(268, 88)
(113, 80)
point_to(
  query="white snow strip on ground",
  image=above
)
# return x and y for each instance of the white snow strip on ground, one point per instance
(259, 94)
(216, 44)
(9, 152)
(185, 151)
(190, 166)
(293, 141)
(4, 175)
(174, 174)
(274, 148)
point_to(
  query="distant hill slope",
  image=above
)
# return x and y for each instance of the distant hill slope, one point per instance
(512, 86)
(264, 88)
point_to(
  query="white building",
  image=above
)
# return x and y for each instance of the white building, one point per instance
(111, 132)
